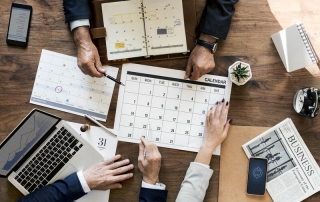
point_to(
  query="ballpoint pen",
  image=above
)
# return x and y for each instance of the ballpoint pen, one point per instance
(99, 124)
(145, 150)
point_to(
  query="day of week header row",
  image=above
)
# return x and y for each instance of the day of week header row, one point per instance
(168, 81)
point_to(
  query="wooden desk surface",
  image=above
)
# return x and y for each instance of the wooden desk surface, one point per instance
(264, 101)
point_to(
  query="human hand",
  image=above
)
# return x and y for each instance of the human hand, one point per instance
(107, 175)
(216, 127)
(216, 131)
(88, 56)
(150, 164)
(201, 60)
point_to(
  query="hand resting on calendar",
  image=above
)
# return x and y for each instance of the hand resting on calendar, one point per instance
(216, 131)
(150, 164)
(88, 56)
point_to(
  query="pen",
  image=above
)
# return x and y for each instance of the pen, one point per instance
(113, 79)
(99, 124)
(145, 151)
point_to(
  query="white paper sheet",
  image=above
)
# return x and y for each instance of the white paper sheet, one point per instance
(106, 144)
(61, 85)
(175, 108)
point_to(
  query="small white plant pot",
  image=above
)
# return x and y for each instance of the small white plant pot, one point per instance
(234, 79)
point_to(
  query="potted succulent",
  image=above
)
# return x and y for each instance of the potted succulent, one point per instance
(240, 73)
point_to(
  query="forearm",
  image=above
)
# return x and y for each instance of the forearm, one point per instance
(205, 153)
(81, 36)
(195, 183)
(68, 189)
(216, 18)
(76, 9)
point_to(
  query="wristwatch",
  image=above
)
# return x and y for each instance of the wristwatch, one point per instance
(211, 46)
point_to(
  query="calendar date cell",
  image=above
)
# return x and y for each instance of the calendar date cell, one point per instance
(172, 104)
(185, 117)
(132, 87)
(174, 93)
(130, 98)
(125, 131)
(127, 121)
(146, 89)
(169, 127)
(197, 131)
(158, 102)
(144, 100)
(167, 138)
(143, 111)
(156, 113)
(160, 91)
(183, 129)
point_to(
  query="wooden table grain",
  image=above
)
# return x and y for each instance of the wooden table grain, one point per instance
(264, 101)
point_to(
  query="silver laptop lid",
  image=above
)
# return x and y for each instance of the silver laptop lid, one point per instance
(25, 139)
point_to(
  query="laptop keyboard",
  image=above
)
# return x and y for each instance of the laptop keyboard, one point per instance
(49, 160)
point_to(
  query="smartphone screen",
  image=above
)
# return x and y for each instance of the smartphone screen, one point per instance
(19, 23)
(257, 176)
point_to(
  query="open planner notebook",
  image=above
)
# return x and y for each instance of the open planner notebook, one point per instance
(144, 27)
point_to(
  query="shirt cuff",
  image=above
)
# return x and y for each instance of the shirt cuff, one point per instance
(158, 185)
(79, 23)
(214, 37)
(204, 165)
(83, 182)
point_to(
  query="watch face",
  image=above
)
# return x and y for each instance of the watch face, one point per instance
(298, 101)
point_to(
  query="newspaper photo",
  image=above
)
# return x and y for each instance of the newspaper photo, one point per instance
(293, 174)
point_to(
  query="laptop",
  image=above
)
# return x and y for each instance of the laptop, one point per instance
(42, 149)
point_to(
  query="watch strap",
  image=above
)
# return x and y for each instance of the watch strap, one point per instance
(211, 46)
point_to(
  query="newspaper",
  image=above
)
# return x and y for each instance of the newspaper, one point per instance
(293, 174)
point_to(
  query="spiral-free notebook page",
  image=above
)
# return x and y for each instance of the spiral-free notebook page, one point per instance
(61, 85)
(175, 108)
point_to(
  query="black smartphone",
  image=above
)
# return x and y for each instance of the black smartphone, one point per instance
(19, 24)
(257, 176)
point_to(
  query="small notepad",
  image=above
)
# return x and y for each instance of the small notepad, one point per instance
(294, 47)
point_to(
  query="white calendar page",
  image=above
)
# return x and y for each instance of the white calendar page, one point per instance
(164, 24)
(125, 29)
(175, 108)
(60, 84)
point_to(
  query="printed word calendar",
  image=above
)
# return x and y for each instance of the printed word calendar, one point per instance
(61, 85)
(174, 107)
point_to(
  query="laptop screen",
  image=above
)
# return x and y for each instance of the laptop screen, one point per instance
(24, 138)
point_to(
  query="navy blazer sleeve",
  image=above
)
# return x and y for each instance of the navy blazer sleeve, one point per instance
(76, 9)
(152, 195)
(65, 190)
(216, 18)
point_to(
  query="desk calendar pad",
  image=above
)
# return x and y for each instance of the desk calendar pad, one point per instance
(61, 85)
(175, 108)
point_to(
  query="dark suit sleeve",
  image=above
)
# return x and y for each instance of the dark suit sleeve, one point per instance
(152, 195)
(76, 9)
(216, 18)
(65, 190)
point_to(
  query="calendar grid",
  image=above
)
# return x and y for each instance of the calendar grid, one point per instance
(176, 108)
(174, 132)
(59, 84)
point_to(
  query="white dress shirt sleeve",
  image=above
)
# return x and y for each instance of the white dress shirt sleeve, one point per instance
(202, 164)
(79, 23)
(83, 182)
(158, 185)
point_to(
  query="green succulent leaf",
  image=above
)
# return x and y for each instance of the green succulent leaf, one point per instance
(240, 72)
